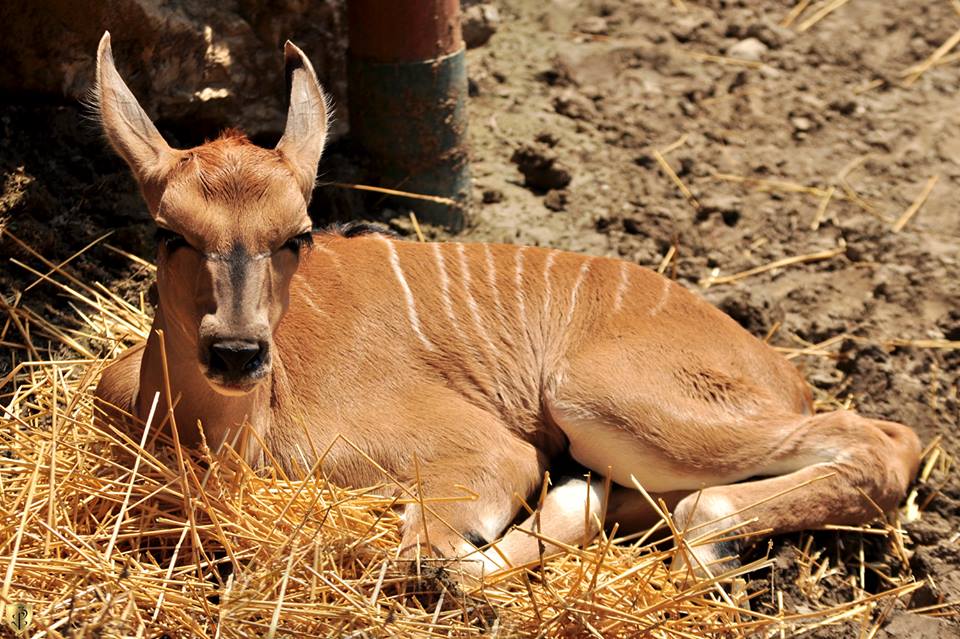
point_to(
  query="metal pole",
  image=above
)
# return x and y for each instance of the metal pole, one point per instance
(408, 90)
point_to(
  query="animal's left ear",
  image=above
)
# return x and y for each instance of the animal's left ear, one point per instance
(129, 129)
(306, 130)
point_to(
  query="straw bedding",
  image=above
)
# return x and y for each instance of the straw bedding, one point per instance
(107, 537)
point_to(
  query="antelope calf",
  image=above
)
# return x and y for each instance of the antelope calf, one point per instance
(478, 364)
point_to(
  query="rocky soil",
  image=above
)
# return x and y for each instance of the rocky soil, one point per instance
(209, 62)
(760, 122)
(791, 142)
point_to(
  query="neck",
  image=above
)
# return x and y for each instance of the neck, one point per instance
(196, 404)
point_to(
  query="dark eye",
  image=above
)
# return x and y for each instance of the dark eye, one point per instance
(170, 240)
(297, 242)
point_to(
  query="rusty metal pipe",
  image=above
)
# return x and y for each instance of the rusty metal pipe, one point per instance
(407, 91)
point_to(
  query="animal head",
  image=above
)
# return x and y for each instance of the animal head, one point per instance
(231, 220)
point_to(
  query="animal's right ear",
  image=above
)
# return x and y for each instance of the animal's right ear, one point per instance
(306, 130)
(128, 127)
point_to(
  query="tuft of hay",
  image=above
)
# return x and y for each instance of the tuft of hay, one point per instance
(105, 535)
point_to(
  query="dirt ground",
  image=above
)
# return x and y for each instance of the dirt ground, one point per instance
(769, 127)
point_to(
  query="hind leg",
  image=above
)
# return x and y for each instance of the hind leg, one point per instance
(675, 424)
(867, 467)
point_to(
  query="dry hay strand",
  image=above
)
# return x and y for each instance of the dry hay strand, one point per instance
(394, 192)
(660, 156)
(715, 279)
(935, 59)
(108, 534)
(766, 185)
(824, 195)
(819, 13)
(795, 12)
(822, 208)
(416, 227)
(915, 205)
(725, 60)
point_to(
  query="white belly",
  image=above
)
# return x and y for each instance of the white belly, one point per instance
(612, 452)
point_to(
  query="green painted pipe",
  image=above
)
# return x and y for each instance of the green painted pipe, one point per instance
(407, 91)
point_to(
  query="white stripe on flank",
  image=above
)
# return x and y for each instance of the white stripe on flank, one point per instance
(407, 293)
(464, 269)
(621, 287)
(547, 267)
(576, 287)
(492, 280)
(307, 292)
(518, 280)
(445, 286)
(324, 249)
(472, 303)
(664, 296)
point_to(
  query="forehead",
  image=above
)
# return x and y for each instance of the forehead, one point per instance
(231, 190)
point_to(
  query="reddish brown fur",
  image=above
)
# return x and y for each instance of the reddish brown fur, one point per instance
(226, 173)
(479, 365)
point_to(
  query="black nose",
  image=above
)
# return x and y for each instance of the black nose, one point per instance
(235, 358)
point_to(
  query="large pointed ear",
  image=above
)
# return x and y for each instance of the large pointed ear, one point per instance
(128, 128)
(306, 130)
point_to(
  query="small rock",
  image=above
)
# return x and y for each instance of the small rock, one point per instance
(399, 223)
(592, 92)
(575, 106)
(553, 77)
(769, 72)
(929, 530)
(479, 22)
(540, 168)
(492, 196)
(473, 87)
(727, 206)
(735, 28)
(645, 160)
(555, 200)
(749, 309)
(685, 166)
(825, 379)
(548, 137)
(950, 325)
(739, 80)
(811, 101)
(801, 123)
(685, 28)
(854, 252)
(844, 107)
(771, 34)
(594, 25)
(748, 49)
(632, 226)
(911, 625)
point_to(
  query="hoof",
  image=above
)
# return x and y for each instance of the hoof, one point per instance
(706, 559)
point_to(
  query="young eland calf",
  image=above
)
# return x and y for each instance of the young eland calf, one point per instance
(471, 365)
